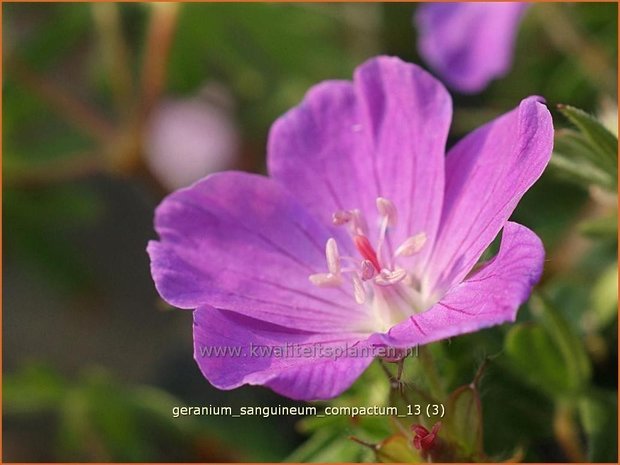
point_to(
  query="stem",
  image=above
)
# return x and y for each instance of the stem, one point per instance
(67, 106)
(58, 171)
(566, 432)
(371, 446)
(479, 372)
(395, 384)
(158, 43)
(115, 54)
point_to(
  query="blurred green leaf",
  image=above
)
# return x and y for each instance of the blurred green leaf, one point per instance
(588, 155)
(579, 171)
(598, 414)
(464, 419)
(100, 419)
(59, 28)
(41, 221)
(605, 227)
(329, 445)
(397, 449)
(602, 141)
(537, 359)
(604, 298)
(36, 388)
(548, 354)
(569, 344)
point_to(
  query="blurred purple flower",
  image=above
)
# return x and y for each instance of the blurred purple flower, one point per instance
(468, 44)
(365, 235)
(186, 139)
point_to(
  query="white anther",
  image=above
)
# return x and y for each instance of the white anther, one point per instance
(368, 270)
(333, 258)
(358, 290)
(411, 245)
(387, 210)
(388, 277)
(341, 217)
(325, 280)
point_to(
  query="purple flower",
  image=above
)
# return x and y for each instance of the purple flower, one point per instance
(468, 44)
(365, 235)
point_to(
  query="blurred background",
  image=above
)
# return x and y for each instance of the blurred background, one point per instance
(108, 107)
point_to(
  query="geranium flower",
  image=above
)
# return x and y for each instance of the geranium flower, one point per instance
(364, 235)
(468, 44)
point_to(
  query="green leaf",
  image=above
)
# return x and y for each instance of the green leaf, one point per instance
(580, 172)
(598, 414)
(605, 143)
(537, 359)
(329, 446)
(605, 298)
(549, 355)
(588, 155)
(568, 343)
(605, 227)
(464, 419)
(33, 390)
(397, 449)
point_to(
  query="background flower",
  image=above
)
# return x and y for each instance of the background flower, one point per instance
(468, 44)
(187, 139)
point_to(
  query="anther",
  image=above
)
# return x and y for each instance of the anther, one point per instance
(388, 277)
(368, 270)
(387, 210)
(353, 218)
(341, 217)
(325, 280)
(333, 258)
(411, 245)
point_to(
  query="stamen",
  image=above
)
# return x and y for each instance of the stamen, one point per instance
(341, 217)
(368, 270)
(387, 209)
(411, 245)
(358, 290)
(325, 280)
(388, 277)
(354, 218)
(382, 233)
(333, 259)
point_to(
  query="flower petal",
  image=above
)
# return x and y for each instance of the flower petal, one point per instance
(490, 297)
(468, 44)
(232, 350)
(383, 135)
(487, 173)
(241, 242)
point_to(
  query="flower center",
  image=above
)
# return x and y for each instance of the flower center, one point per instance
(385, 288)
